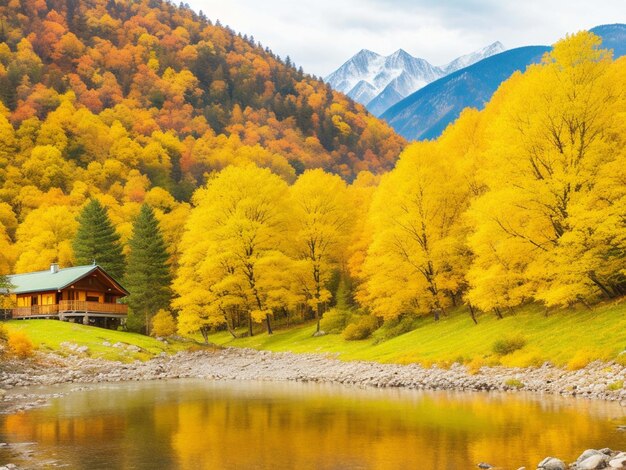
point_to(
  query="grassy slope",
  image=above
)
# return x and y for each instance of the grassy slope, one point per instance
(571, 338)
(47, 335)
(568, 338)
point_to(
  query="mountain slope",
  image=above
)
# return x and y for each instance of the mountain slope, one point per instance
(473, 57)
(153, 67)
(613, 37)
(427, 112)
(379, 82)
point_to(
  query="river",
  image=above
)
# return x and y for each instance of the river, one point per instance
(199, 424)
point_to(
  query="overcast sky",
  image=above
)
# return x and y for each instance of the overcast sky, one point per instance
(320, 35)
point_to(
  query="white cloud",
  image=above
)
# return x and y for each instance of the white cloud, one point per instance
(320, 35)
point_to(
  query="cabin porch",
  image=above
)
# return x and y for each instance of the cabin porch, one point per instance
(107, 315)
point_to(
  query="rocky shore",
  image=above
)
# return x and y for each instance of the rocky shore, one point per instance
(591, 459)
(598, 380)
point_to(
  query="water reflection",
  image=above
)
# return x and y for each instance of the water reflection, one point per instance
(227, 425)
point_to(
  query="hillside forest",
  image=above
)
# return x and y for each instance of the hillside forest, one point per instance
(280, 200)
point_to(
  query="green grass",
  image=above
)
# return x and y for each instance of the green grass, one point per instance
(47, 335)
(570, 338)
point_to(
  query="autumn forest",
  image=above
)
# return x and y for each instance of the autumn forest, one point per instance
(280, 200)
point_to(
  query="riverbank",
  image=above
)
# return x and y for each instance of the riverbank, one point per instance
(20, 380)
(598, 380)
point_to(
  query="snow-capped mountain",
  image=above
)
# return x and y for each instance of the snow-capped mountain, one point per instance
(427, 112)
(473, 57)
(379, 81)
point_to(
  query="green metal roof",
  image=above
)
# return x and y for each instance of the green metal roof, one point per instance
(49, 281)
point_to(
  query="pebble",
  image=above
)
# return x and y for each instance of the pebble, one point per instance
(552, 463)
(593, 462)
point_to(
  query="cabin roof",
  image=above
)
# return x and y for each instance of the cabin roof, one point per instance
(49, 280)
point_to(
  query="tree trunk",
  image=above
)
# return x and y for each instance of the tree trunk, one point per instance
(269, 324)
(601, 286)
(205, 334)
(472, 313)
(230, 321)
(436, 312)
(249, 324)
(318, 316)
(498, 313)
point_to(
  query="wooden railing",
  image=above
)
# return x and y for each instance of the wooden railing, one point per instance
(95, 307)
(71, 306)
(36, 310)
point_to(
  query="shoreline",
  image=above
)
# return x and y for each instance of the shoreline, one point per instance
(20, 380)
(598, 380)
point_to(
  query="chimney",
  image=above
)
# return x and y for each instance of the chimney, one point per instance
(54, 268)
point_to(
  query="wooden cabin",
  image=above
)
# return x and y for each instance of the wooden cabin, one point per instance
(84, 294)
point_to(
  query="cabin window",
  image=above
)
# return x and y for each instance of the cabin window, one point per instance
(34, 300)
(109, 298)
(91, 298)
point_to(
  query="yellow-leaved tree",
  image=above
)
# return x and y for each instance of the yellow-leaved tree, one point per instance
(417, 257)
(233, 250)
(320, 219)
(549, 227)
(45, 237)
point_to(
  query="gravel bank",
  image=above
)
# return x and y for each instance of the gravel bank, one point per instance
(598, 380)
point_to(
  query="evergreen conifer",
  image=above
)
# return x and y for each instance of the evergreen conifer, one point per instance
(97, 241)
(148, 275)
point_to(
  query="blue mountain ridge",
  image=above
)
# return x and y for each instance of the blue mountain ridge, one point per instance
(426, 113)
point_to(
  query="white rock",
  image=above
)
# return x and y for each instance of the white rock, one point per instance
(618, 462)
(552, 463)
(592, 463)
(586, 454)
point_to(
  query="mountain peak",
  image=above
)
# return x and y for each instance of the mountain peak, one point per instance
(365, 53)
(400, 53)
(379, 82)
(495, 47)
(473, 57)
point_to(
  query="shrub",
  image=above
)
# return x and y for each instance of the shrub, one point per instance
(362, 329)
(163, 324)
(514, 383)
(19, 345)
(4, 333)
(580, 360)
(335, 320)
(505, 346)
(474, 366)
(526, 357)
(615, 386)
(397, 327)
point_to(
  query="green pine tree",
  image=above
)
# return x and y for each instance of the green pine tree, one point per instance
(148, 275)
(96, 240)
(5, 299)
